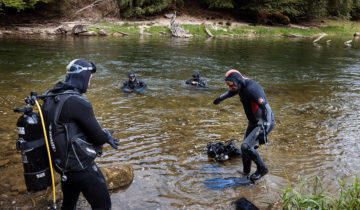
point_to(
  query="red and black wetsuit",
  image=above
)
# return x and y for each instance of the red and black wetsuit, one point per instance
(259, 115)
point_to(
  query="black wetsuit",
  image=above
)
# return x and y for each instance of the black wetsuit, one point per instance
(259, 114)
(198, 81)
(135, 85)
(89, 181)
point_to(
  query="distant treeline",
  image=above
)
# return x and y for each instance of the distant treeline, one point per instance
(259, 11)
(255, 10)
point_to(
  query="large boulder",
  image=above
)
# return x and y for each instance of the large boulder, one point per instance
(77, 29)
(62, 29)
(89, 33)
(118, 176)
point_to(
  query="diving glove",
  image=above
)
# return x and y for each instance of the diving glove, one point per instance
(113, 142)
(217, 101)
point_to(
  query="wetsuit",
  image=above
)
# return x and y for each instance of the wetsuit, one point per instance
(77, 112)
(260, 118)
(196, 80)
(133, 84)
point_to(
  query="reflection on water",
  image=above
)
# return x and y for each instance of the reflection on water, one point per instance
(313, 91)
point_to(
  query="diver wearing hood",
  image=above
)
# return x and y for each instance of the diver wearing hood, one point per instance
(76, 138)
(260, 119)
(196, 80)
(133, 84)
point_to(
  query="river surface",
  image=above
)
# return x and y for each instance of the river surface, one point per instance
(313, 90)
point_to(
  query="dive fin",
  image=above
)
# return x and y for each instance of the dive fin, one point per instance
(220, 183)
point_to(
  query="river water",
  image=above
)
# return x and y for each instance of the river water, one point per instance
(314, 91)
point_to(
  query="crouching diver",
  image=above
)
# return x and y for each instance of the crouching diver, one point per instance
(260, 119)
(76, 138)
(196, 80)
(133, 84)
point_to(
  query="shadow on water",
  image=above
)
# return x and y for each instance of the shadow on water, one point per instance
(313, 91)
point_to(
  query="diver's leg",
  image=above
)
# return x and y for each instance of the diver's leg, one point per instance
(248, 149)
(247, 141)
(93, 187)
(71, 194)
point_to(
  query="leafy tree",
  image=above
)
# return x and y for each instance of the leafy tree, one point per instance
(221, 4)
(20, 5)
(137, 8)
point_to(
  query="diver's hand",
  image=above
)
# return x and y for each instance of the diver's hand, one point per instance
(217, 101)
(113, 142)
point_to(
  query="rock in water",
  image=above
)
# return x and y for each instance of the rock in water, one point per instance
(118, 176)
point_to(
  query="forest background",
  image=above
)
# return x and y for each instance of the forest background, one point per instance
(270, 12)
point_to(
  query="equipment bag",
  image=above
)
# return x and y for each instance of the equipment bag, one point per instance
(221, 151)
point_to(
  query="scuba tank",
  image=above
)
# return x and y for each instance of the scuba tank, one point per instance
(32, 146)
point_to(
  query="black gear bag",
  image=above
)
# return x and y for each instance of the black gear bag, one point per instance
(221, 151)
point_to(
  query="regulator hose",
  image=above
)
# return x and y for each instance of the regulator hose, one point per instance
(48, 151)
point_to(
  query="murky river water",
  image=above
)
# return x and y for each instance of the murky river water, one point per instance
(314, 92)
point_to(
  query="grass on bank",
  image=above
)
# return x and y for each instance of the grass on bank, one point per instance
(129, 28)
(310, 194)
(157, 30)
(330, 27)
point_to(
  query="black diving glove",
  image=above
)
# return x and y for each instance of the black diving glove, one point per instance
(263, 133)
(217, 101)
(223, 97)
(113, 142)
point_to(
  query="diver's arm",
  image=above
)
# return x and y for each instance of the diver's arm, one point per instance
(259, 98)
(202, 83)
(79, 110)
(268, 116)
(125, 84)
(224, 96)
(142, 84)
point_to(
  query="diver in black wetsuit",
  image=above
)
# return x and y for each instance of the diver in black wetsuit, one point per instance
(133, 84)
(260, 119)
(196, 80)
(76, 138)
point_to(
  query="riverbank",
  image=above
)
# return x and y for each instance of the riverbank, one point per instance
(192, 26)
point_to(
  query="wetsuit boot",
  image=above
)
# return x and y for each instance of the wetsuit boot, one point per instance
(261, 169)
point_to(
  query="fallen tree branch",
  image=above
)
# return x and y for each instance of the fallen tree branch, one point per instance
(123, 33)
(88, 6)
(320, 37)
(207, 31)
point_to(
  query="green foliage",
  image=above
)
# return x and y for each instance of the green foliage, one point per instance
(194, 29)
(221, 4)
(138, 8)
(20, 5)
(329, 27)
(157, 30)
(310, 194)
(114, 27)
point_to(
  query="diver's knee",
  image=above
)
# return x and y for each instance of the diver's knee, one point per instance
(245, 147)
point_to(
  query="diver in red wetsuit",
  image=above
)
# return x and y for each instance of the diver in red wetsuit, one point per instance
(258, 112)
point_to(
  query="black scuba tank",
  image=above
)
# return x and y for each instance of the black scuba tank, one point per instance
(31, 144)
